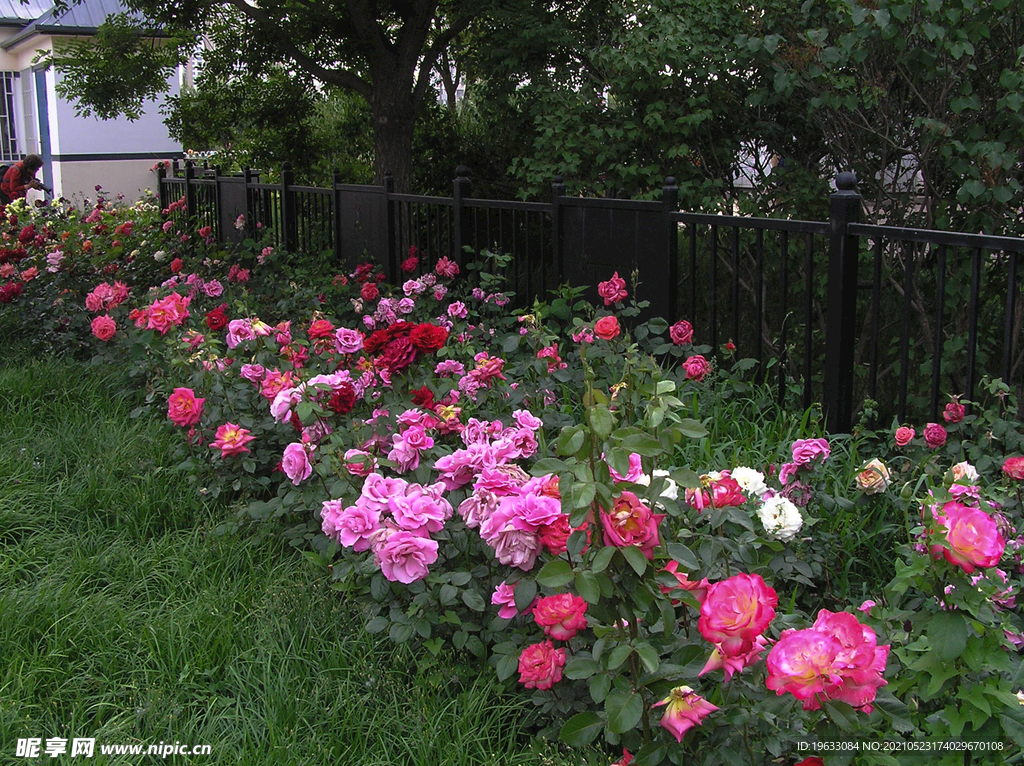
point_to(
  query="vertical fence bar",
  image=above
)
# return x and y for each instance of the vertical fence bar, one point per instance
(783, 316)
(557, 246)
(809, 319)
(735, 284)
(392, 223)
(161, 193)
(876, 317)
(693, 273)
(759, 302)
(972, 314)
(940, 305)
(840, 330)
(1011, 310)
(464, 228)
(288, 229)
(190, 190)
(908, 273)
(670, 204)
(714, 289)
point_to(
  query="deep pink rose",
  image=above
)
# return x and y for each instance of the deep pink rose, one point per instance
(607, 328)
(103, 327)
(736, 611)
(954, 412)
(295, 462)
(352, 526)
(231, 439)
(405, 557)
(1013, 467)
(631, 524)
(904, 435)
(934, 435)
(696, 368)
(681, 333)
(613, 291)
(561, 616)
(183, 408)
(972, 535)
(540, 666)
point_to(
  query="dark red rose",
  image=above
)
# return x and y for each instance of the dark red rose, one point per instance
(10, 291)
(423, 397)
(398, 355)
(380, 338)
(27, 234)
(428, 337)
(343, 399)
(218, 318)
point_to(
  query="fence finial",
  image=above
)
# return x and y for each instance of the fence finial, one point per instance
(846, 181)
(461, 172)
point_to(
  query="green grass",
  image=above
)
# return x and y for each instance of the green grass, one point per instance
(126, 615)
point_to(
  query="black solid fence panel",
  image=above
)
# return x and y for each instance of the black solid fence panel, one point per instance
(936, 312)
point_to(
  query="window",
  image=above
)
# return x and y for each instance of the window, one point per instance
(8, 137)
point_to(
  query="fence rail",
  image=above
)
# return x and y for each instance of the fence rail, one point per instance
(838, 311)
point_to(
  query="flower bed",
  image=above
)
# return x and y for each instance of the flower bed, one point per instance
(540, 491)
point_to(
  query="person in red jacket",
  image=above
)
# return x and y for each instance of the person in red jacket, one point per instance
(21, 176)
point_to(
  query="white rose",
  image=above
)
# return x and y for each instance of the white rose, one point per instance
(780, 518)
(750, 481)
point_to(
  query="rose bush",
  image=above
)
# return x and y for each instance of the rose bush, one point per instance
(540, 490)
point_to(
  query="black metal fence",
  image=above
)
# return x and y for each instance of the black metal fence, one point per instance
(836, 311)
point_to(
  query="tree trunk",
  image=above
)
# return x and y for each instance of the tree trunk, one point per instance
(394, 116)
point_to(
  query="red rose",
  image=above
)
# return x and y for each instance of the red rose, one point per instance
(343, 399)
(398, 355)
(217, 319)
(428, 337)
(423, 397)
(369, 292)
(607, 328)
(410, 264)
(321, 328)
(176, 265)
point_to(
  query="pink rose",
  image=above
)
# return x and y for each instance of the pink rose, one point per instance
(183, 408)
(607, 328)
(540, 666)
(103, 327)
(353, 526)
(232, 439)
(561, 616)
(295, 462)
(736, 611)
(806, 451)
(685, 709)
(904, 435)
(166, 313)
(631, 524)
(504, 597)
(954, 412)
(614, 290)
(405, 557)
(1013, 468)
(934, 435)
(971, 535)
(696, 367)
(446, 268)
(681, 333)
(348, 341)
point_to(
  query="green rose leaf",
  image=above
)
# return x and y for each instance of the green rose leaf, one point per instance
(947, 635)
(555, 574)
(624, 710)
(581, 729)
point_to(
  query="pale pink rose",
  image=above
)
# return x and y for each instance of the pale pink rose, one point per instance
(525, 419)
(295, 462)
(972, 536)
(540, 666)
(348, 341)
(359, 463)
(561, 616)
(685, 709)
(353, 526)
(239, 330)
(406, 557)
(457, 310)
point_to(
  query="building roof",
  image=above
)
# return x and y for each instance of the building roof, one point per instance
(80, 18)
(17, 13)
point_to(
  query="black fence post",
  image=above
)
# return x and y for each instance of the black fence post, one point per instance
(336, 213)
(841, 312)
(218, 207)
(670, 203)
(557, 194)
(161, 192)
(190, 190)
(462, 190)
(389, 202)
(288, 233)
(250, 209)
